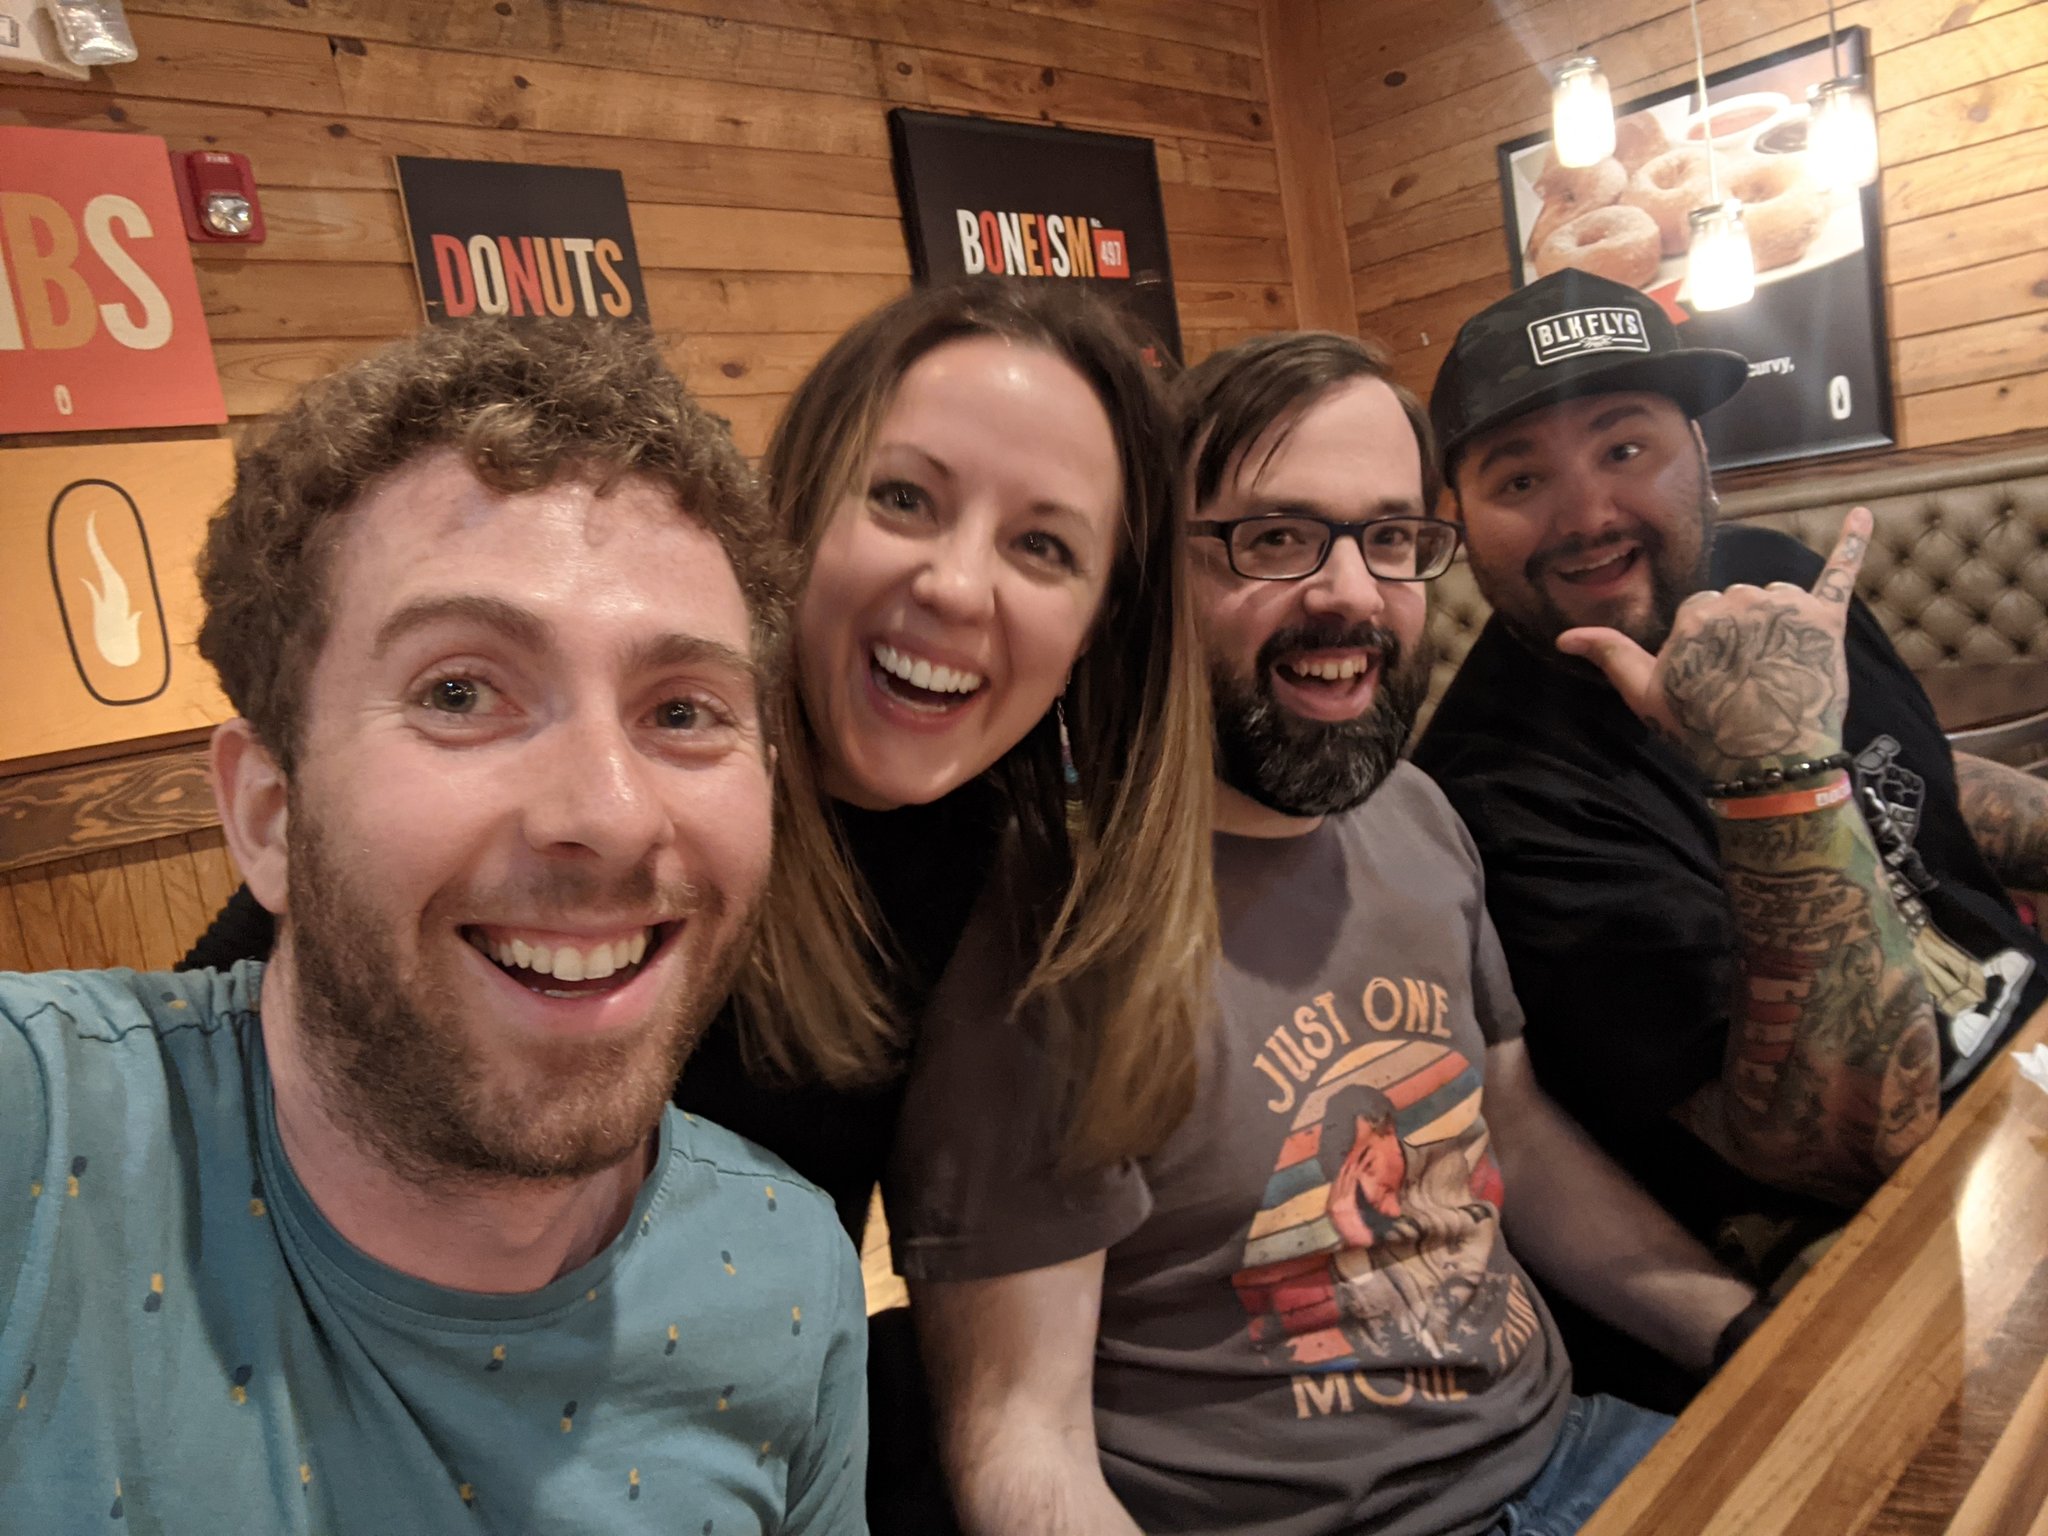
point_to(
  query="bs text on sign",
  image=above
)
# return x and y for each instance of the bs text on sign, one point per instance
(100, 319)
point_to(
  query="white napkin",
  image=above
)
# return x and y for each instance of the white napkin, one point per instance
(2034, 1066)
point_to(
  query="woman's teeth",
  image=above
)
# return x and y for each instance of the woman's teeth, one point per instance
(566, 962)
(922, 674)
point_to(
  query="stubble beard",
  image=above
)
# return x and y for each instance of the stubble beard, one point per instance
(1315, 767)
(1526, 606)
(400, 1067)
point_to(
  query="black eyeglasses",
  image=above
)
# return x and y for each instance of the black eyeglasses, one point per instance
(1289, 546)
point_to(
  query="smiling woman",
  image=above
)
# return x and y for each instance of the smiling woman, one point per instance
(956, 583)
(982, 479)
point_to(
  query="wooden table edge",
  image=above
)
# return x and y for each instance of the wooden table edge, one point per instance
(1975, 1115)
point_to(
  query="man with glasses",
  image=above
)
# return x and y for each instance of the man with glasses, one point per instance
(1301, 1315)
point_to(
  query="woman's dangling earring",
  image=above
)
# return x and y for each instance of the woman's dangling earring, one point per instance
(1059, 714)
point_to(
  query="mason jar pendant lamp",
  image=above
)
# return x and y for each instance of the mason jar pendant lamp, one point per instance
(1720, 269)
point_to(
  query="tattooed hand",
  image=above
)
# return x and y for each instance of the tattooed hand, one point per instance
(1751, 677)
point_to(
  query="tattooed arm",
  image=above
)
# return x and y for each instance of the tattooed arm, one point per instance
(1833, 1068)
(1832, 1071)
(2007, 812)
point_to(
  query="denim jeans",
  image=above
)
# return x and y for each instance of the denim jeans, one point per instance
(1602, 1441)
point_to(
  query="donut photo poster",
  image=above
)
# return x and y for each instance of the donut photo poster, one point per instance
(1815, 331)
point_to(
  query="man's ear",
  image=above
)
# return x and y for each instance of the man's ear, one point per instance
(249, 789)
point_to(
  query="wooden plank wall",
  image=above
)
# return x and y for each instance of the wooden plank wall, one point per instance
(754, 143)
(751, 133)
(139, 906)
(1421, 92)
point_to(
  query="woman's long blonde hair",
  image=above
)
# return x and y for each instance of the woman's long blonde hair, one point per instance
(1127, 932)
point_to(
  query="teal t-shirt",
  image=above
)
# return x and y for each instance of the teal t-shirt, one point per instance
(187, 1347)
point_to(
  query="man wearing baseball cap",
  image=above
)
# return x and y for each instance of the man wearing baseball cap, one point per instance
(1759, 937)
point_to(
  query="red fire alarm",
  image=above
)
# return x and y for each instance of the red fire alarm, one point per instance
(218, 193)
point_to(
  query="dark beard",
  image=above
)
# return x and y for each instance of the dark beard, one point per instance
(395, 1067)
(1313, 767)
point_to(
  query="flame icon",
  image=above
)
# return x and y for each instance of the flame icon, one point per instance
(116, 627)
(117, 631)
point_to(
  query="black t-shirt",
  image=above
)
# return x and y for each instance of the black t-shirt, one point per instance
(1604, 880)
(924, 866)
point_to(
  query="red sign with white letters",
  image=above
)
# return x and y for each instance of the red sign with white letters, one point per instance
(100, 320)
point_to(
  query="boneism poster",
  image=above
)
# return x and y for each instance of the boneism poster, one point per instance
(1049, 204)
(99, 601)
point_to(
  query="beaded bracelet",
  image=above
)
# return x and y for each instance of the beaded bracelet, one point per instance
(1791, 802)
(1770, 779)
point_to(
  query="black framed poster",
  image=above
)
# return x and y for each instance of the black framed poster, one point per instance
(1815, 332)
(490, 238)
(1018, 200)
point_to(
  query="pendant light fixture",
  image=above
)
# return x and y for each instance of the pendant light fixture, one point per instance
(1720, 269)
(1581, 114)
(1841, 125)
(1581, 110)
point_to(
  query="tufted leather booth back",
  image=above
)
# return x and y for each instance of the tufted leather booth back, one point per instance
(1957, 569)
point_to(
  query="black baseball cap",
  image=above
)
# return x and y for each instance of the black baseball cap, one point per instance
(1566, 335)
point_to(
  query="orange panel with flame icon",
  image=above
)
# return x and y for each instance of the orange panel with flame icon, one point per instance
(99, 602)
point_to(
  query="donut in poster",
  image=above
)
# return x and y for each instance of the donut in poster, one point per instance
(1782, 209)
(1617, 241)
(1569, 191)
(1638, 139)
(1668, 188)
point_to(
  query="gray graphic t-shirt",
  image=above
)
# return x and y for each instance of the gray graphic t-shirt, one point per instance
(1310, 1321)
(188, 1348)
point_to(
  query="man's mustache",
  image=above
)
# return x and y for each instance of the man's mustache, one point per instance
(1331, 637)
(575, 894)
(1574, 545)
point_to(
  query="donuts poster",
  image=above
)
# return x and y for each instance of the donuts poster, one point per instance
(1049, 204)
(526, 240)
(1815, 333)
(99, 600)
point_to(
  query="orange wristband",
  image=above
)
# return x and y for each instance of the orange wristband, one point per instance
(1797, 802)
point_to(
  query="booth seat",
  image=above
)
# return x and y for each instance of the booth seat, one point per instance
(1957, 573)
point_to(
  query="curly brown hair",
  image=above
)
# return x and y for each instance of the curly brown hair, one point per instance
(526, 406)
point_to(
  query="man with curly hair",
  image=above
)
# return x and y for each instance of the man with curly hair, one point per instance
(398, 1232)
